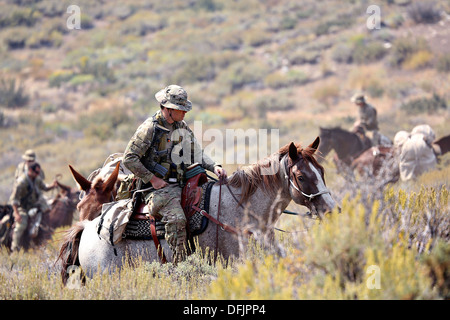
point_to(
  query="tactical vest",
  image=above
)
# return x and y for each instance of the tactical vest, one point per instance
(158, 156)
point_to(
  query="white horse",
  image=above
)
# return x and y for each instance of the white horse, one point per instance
(263, 190)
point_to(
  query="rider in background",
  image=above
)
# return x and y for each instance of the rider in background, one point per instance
(25, 196)
(367, 118)
(29, 157)
(415, 151)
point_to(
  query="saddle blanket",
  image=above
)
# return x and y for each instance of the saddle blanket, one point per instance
(140, 229)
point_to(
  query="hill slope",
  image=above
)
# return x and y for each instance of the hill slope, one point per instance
(76, 96)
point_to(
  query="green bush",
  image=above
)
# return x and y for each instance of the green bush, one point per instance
(59, 77)
(104, 124)
(443, 63)
(366, 53)
(429, 105)
(19, 16)
(279, 80)
(424, 12)
(359, 50)
(404, 48)
(242, 73)
(142, 23)
(195, 69)
(342, 53)
(12, 94)
(16, 38)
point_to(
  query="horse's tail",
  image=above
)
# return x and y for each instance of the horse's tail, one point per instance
(68, 253)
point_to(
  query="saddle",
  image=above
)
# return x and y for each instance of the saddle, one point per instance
(195, 193)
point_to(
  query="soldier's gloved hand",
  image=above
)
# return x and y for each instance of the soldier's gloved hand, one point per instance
(220, 172)
(158, 183)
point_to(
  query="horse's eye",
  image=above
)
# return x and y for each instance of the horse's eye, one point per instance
(300, 178)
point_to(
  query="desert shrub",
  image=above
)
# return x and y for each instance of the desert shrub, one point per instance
(339, 257)
(302, 57)
(327, 93)
(256, 38)
(394, 20)
(421, 105)
(267, 279)
(443, 63)
(282, 100)
(404, 48)
(19, 16)
(12, 93)
(208, 5)
(59, 77)
(342, 53)
(81, 79)
(16, 38)
(99, 70)
(438, 264)
(122, 12)
(279, 80)
(341, 21)
(242, 73)
(45, 39)
(359, 50)
(195, 69)
(424, 12)
(52, 8)
(103, 124)
(142, 23)
(419, 60)
(370, 52)
(86, 21)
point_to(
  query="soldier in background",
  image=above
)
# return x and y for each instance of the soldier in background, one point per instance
(29, 157)
(27, 195)
(367, 118)
(149, 156)
(415, 151)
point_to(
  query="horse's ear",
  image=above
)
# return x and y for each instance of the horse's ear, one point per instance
(84, 183)
(108, 185)
(293, 153)
(315, 144)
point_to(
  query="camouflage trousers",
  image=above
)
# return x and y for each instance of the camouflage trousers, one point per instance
(165, 204)
(22, 226)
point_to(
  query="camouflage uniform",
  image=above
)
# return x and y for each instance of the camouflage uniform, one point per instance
(27, 195)
(367, 117)
(140, 156)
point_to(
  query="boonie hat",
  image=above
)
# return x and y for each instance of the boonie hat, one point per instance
(174, 97)
(29, 155)
(358, 97)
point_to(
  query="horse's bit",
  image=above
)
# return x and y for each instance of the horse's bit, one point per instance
(309, 196)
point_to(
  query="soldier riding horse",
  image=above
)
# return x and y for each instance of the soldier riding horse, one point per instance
(263, 190)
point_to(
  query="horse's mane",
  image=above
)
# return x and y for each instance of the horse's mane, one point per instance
(249, 178)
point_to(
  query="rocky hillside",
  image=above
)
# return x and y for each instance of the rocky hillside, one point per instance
(77, 95)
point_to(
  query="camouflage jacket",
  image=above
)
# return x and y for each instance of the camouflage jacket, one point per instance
(22, 170)
(26, 192)
(139, 151)
(368, 117)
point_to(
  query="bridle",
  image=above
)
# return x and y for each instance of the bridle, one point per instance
(287, 174)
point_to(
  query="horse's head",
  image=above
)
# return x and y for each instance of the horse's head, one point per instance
(98, 192)
(306, 181)
(326, 139)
